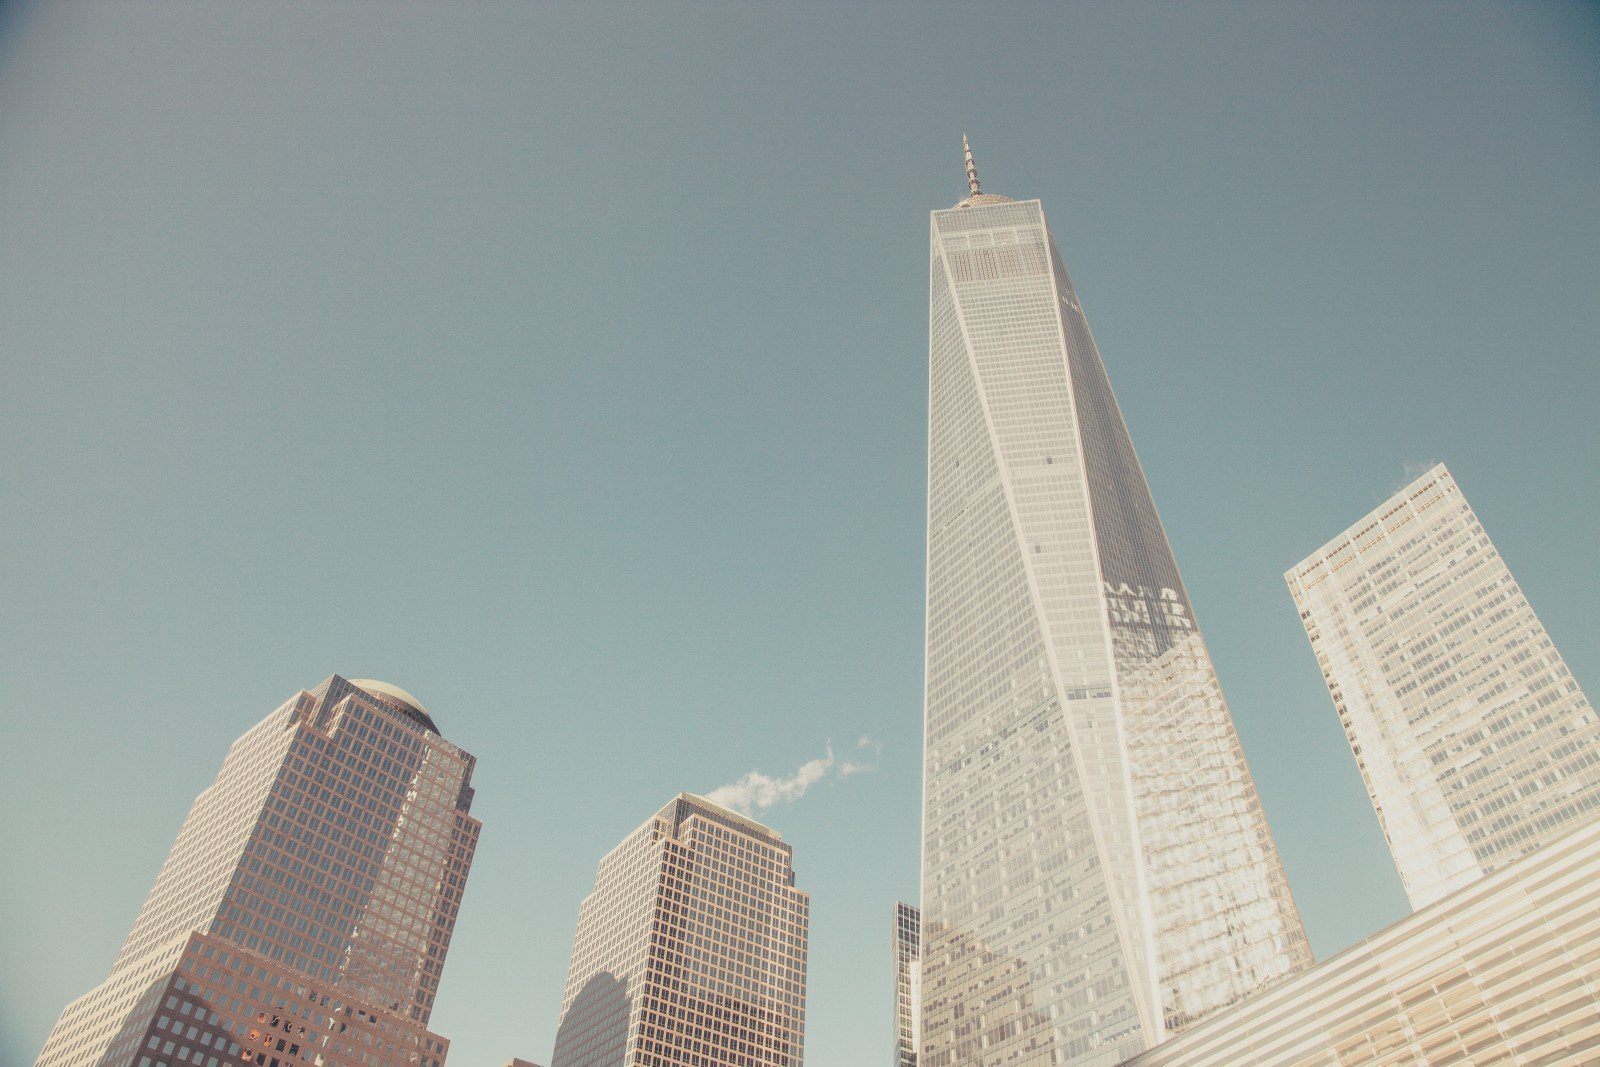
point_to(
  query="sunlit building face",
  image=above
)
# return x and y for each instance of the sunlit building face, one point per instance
(1476, 744)
(1097, 870)
(690, 950)
(1503, 971)
(304, 912)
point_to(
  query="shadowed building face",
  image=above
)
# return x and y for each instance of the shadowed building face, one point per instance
(691, 949)
(306, 907)
(906, 946)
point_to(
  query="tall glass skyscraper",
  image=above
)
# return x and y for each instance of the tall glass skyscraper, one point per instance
(690, 950)
(1476, 744)
(304, 913)
(1097, 870)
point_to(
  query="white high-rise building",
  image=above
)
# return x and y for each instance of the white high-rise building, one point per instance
(1097, 870)
(1475, 741)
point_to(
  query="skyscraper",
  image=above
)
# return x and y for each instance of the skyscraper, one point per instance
(1476, 744)
(305, 909)
(1097, 870)
(907, 950)
(690, 950)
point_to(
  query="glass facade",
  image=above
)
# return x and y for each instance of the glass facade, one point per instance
(1097, 870)
(304, 912)
(690, 950)
(906, 949)
(1506, 971)
(1475, 742)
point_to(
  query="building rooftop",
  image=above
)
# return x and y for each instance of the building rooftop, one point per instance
(693, 803)
(397, 698)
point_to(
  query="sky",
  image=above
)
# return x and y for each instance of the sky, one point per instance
(566, 366)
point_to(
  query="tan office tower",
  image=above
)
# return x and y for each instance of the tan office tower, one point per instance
(1097, 871)
(691, 950)
(304, 912)
(1476, 744)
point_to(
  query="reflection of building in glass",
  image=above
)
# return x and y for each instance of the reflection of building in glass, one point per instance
(974, 982)
(1506, 970)
(1475, 741)
(305, 909)
(907, 949)
(1091, 831)
(691, 949)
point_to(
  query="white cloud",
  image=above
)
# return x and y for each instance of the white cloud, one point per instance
(756, 791)
(1411, 471)
(866, 750)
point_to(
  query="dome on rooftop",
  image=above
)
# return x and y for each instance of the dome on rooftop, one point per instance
(983, 199)
(398, 699)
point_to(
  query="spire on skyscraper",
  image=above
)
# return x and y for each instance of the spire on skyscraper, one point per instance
(974, 196)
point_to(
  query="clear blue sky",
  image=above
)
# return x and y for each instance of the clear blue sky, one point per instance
(567, 368)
